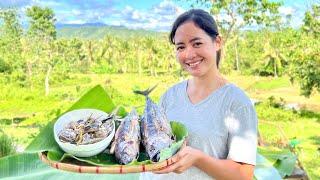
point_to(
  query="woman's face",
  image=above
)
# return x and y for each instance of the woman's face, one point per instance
(195, 49)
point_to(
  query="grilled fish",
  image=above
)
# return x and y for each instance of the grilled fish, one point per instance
(155, 128)
(127, 139)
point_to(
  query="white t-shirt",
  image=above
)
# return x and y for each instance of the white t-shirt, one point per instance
(223, 125)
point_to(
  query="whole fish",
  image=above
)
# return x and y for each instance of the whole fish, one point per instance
(127, 139)
(155, 128)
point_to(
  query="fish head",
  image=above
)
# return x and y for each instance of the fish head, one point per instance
(127, 152)
(157, 144)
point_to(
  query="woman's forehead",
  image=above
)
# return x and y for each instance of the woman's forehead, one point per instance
(188, 31)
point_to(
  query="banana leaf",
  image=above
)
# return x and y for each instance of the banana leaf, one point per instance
(27, 165)
(103, 159)
(282, 159)
(264, 169)
(96, 98)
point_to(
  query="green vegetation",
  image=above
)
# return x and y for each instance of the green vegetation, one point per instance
(44, 70)
(270, 83)
(95, 33)
(6, 145)
(37, 52)
(275, 123)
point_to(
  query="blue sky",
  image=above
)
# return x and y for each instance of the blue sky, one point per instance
(146, 14)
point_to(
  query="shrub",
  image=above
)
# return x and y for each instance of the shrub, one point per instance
(4, 67)
(6, 145)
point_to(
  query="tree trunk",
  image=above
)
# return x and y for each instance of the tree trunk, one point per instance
(237, 56)
(46, 81)
(275, 68)
(139, 62)
(90, 52)
(29, 73)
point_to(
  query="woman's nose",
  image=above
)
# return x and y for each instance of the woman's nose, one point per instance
(190, 53)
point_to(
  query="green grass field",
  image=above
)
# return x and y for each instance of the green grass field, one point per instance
(24, 111)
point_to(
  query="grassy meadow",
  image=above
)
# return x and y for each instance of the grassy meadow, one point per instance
(24, 111)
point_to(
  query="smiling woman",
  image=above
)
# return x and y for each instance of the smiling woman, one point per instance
(220, 118)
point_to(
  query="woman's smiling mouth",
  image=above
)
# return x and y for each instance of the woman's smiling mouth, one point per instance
(195, 63)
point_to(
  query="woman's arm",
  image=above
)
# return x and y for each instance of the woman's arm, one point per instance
(219, 169)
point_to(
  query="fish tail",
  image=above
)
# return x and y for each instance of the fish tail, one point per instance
(145, 92)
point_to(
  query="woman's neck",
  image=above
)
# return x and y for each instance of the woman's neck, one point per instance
(211, 81)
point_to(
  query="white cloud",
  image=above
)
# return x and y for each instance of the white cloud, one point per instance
(286, 10)
(76, 12)
(158, 18)
(79, 21)
(167, 7)
(114, 23)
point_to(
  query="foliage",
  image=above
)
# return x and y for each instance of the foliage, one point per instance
(6, 145)
(31, 167)
(150, 53)
(22, 102)
(312, 21)
(234, 15)
(305, 63)
(10, 45)
(116, 52)
(41, 22)
(282, 159)
(259, 12)
(4, 66)
(96, 33)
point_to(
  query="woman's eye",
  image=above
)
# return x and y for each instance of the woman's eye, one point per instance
(197, 44)
(180, 48)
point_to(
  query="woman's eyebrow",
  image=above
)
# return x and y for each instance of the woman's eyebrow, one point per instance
(193, 39)
(179, 43)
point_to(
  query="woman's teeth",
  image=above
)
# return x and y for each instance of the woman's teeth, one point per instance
(195, 63)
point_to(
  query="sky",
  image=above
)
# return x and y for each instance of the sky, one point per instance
(157, 15)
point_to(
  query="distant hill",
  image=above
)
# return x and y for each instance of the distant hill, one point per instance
(99, 30)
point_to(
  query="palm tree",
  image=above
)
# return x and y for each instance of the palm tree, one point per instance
(273, 58)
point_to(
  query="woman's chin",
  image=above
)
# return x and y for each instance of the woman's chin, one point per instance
(196, 73)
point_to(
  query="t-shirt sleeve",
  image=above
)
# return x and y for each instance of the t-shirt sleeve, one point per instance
(242, 135)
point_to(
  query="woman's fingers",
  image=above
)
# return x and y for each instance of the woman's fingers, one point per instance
(168, 169)
(180, 154)
(179, 170)
(177, 162)
(177, 167)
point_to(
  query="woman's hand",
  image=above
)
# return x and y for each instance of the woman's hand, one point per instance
(183, 160)
(216, 168)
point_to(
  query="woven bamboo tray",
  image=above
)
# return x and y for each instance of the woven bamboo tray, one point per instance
(112, 169)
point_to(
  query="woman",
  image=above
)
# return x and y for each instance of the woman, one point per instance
(220, 118)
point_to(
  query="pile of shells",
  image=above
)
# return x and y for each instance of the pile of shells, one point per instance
(87, 131)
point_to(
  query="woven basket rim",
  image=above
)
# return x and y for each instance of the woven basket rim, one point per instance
(112, 169)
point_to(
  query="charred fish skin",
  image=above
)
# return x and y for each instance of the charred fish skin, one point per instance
(155, 128)
(156, 133)
(127, 139)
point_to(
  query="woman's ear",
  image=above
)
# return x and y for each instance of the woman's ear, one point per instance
(218, 42)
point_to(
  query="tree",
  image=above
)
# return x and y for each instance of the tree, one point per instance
(10, 44)
(233, 15)
(306, 55)
(274, 57)
(42, 31)
(312, 21)
(41, 22)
